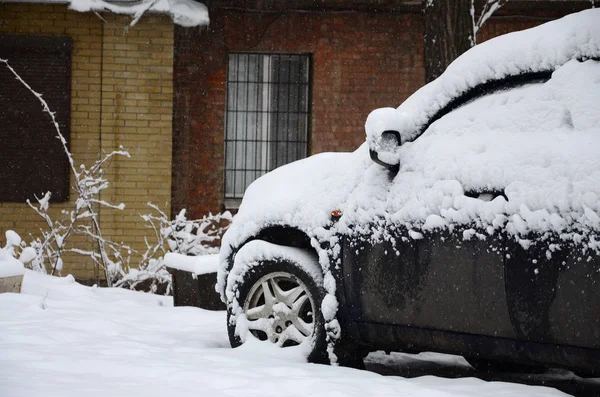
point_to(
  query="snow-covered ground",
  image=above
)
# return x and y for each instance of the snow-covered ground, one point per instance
(59, 338)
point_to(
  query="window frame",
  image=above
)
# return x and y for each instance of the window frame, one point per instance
(265, 106)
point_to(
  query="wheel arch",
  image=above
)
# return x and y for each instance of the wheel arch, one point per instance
(284, 235)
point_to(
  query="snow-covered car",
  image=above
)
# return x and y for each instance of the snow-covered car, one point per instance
(468, 223)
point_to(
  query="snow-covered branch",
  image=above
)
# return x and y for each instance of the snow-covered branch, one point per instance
(98, 165)
(488, 9)
(46, 109)
(180, 235)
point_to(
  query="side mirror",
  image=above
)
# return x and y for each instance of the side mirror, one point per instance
(389, 142)
(386, 130)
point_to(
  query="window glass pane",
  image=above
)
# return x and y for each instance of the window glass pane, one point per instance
(229, 184)
(232, 71)
(253, 97)
(242, 67)
(240, 183)
(253, 68)
(229, 160)
(32, 160)
(267, 116)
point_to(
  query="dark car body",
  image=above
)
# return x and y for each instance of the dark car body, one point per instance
(481, 299)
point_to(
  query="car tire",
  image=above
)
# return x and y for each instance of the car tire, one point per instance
(350, 355)
(284, 310)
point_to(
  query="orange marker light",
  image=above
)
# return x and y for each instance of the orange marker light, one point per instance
(336, 213)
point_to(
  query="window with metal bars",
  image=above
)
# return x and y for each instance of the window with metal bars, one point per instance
(267, 116)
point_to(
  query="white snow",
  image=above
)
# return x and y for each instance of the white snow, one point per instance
(9, 266)
(12, 239)
(201, 264)
(539, 144)
(186, 13)
(259, 250)
(58, 338)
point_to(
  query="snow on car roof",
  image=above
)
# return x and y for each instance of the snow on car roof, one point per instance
(542, 48)
(539, 144)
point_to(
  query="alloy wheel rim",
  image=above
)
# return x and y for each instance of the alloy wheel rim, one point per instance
(279, 309)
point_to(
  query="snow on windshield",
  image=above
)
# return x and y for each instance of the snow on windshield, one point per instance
(543, 48)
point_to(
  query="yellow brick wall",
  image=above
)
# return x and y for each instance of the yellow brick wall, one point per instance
(121, 95)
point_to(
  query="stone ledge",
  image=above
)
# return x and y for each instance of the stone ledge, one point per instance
(11, 284)
(195, 290)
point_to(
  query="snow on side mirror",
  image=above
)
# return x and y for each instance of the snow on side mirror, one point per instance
(390, 140)
(384, 135)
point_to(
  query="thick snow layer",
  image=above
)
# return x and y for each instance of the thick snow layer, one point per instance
(9, 266)
(186, 13)
(257, 251)
(58, 338)
(197, 265)
(543, 48)
(311, 190)
(539, 144)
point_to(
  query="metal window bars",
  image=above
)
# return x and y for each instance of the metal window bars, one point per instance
(267, 116)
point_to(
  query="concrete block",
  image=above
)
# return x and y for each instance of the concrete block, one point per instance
(11, 284)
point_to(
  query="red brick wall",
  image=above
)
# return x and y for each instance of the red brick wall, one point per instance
(360, 61)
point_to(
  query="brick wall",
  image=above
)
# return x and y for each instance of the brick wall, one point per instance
(121, 95)
(360, 61)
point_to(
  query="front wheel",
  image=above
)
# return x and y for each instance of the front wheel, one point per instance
(279, 302)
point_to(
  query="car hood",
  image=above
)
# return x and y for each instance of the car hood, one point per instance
(300, 194)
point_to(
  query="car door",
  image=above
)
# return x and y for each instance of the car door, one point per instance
(433, 280)
(553, 291)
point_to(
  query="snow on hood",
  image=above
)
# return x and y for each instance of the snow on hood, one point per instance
(301, 194)
(543, 48)
(538, 143)
(187, 13)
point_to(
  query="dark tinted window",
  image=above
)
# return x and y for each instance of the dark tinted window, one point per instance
(32, 159)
